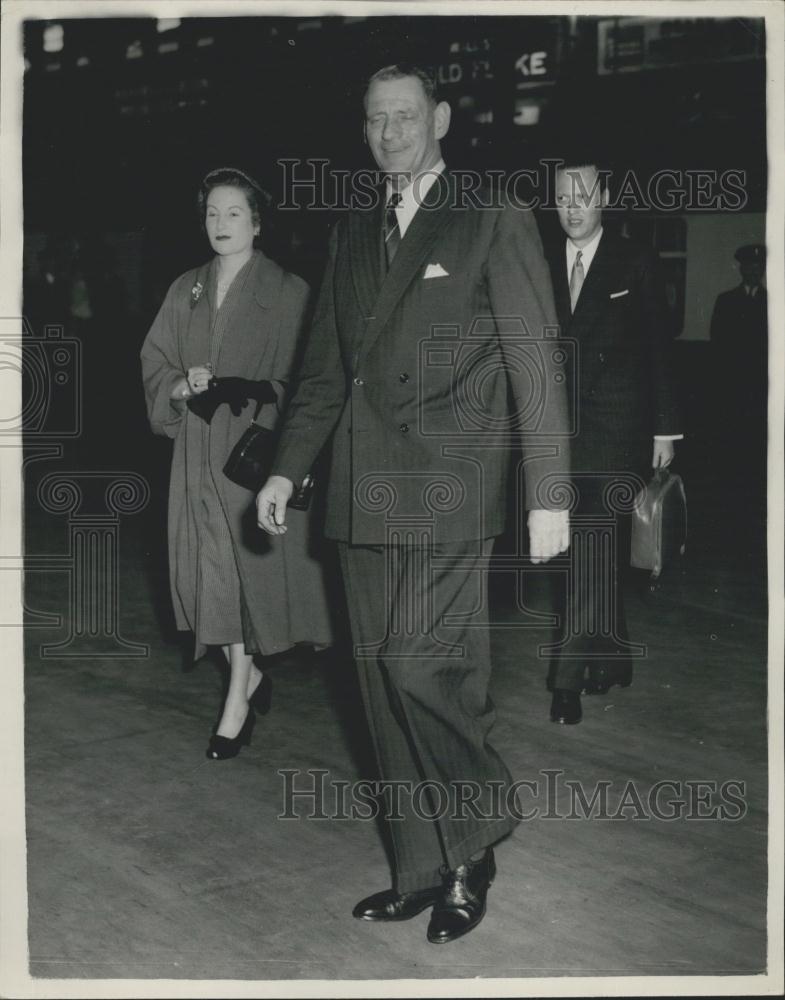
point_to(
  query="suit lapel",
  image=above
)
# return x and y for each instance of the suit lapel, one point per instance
(424, 229)
(365, 249)
(561, 288)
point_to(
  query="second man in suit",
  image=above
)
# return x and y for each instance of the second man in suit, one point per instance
(611, 303)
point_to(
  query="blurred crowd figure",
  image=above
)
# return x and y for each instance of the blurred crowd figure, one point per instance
(739, 343)
(77, 288)
(76, 283)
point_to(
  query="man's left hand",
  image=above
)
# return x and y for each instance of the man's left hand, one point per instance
(662, 455)
(549, 534)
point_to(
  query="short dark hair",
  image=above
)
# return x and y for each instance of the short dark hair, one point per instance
(397, 71)
(258, 199)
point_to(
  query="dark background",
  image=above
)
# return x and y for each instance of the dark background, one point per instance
(118, 133)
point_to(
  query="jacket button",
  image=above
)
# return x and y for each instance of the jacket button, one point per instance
(404, 428)
(403, 377)
(359, 381)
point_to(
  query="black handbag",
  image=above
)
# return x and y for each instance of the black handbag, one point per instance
(249, 463)
(250, 460)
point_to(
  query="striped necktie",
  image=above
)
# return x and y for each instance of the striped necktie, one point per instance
(392, 232)
(576, 280)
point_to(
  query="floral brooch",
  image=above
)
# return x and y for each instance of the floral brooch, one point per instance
(196, 293)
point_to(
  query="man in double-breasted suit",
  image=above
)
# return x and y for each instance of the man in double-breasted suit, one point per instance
(430, 311)
(611, 303)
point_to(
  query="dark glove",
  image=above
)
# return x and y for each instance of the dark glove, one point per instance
(233, 390)
(206, 403)
(237, 391)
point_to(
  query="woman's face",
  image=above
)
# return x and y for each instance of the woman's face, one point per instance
(228, 221)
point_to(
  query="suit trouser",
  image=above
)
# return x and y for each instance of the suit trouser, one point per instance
(591, 599)
(429, 713)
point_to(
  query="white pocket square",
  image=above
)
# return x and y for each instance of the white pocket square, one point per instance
(618, 295)
(435, 271)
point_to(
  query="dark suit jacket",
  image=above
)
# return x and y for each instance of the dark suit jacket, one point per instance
(739, 333)
(619, 366)
(739, 322)
(413, 374)
(740, 360)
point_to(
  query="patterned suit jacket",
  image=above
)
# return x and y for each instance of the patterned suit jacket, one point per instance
(427, 382)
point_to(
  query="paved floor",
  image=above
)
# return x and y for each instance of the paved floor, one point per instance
(147, 860)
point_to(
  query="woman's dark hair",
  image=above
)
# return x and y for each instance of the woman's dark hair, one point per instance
(258, 199)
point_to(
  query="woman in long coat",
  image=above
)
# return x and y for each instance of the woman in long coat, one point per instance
(226, 336)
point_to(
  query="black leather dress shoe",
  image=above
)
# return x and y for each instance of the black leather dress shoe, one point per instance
(392, 905)
(461, 905)
(566, 707)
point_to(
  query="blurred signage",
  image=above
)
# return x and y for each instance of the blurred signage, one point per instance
(535, 57)
(533, 64)
(466, 78)
(532, 51)
(145, 100)
(633, 44)
(468, 62)
(528, 111)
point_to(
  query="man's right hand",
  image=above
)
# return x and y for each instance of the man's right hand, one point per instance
(271, 504)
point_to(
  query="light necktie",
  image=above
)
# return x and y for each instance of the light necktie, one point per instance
(576, 280)
(392, 232)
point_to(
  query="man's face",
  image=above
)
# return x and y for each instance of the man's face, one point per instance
(751, 272)
(403, 127)
(579, 203)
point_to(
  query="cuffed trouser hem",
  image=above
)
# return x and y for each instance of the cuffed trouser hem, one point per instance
(458, 854)
(417, 881)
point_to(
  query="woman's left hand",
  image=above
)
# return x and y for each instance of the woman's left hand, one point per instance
(198, 379)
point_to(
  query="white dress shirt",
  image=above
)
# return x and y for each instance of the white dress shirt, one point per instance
(588, 253)
(587, 256)
(413, 194)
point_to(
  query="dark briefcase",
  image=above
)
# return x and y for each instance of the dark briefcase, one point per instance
(659, 523)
